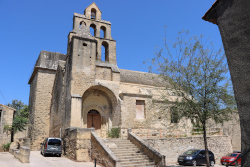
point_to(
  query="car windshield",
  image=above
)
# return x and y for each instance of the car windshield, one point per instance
(232, 155)
(54, 142)
(191, 152)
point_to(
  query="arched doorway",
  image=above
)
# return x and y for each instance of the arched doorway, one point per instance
(94, 119)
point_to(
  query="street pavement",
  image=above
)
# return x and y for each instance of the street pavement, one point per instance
(37, 160)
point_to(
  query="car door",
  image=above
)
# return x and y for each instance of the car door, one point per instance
(201, 158)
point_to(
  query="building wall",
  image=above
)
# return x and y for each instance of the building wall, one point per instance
(42, 101)
(6, 118)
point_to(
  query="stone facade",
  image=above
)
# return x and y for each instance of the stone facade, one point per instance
(86, 89)
(6, 118)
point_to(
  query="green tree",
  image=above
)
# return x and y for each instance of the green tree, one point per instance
(21, 115)
(16, 104)
(199, 75)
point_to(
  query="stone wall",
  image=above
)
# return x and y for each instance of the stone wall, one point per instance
(102, 153)
(6, 118)
(77, 143)
(57, 109)
(173, 147)
(41, 100)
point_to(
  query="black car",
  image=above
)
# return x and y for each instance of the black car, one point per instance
(195, 157)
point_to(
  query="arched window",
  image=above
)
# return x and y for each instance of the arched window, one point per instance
(93, 13)
(103, 32)
(105, 51)
(82, 23)
(93, 30)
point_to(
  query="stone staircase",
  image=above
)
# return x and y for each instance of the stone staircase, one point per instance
(128, 154)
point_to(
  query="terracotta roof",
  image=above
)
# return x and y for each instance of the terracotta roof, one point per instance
(7, 107)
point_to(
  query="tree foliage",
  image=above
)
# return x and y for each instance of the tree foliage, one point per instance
(199, 75)
(21, 115)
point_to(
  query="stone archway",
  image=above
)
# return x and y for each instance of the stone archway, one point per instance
(94, 119)
(98, 105)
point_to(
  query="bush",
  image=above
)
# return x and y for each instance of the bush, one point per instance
(6, 147)
(114, 133)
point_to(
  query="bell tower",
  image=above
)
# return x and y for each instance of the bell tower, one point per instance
(91, 20)
(86, 66)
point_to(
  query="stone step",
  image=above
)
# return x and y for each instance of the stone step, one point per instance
(122, 156)
(128, 154)
(138, 159)
(144, 162)
(125, 149)
(141, 165)
(123, 152)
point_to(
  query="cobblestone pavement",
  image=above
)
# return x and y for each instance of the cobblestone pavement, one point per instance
(37, 160)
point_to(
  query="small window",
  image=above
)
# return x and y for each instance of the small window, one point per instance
(140, 109)
(84, 44)
(82, 23)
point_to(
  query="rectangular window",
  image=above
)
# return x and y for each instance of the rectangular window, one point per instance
(140, 109)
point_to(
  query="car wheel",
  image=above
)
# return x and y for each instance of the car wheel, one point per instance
(194, 162)
(44, 154)
(59, 155)
(212, 163)
(236, 163)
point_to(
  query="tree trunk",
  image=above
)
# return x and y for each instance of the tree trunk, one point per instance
(205, 144)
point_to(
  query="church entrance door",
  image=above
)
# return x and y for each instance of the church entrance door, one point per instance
(94, 119)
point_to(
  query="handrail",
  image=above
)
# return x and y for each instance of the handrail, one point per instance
(241, 156)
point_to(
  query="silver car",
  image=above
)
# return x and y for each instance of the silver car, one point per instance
(51, 145)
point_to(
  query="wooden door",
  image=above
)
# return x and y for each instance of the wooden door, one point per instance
(94, 119)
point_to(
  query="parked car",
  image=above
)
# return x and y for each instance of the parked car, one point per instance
(51, 145)
(195, 157)
(225, 160)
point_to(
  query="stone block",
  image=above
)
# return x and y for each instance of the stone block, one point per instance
(24, 158)
(82, 155)
(16, 154)
(24, 150)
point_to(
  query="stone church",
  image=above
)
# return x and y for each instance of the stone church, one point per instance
(85, 89)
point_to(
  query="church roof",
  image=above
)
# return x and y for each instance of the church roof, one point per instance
(211, 15)
(142, 78)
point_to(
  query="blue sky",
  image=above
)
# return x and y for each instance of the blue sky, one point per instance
(29, 26)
